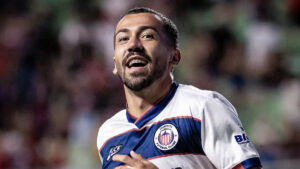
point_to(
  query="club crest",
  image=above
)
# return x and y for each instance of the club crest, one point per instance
(166, 137)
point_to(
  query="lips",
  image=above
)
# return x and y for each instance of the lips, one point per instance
(136, 61)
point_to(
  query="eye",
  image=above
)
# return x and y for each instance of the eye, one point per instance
(122, 38)
(147, 36)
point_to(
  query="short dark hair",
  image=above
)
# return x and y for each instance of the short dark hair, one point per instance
(169, 26)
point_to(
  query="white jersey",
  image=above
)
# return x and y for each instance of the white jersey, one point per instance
(189, 129)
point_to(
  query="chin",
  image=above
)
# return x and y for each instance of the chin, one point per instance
(138, 84)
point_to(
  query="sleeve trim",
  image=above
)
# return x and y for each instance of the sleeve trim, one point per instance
(251, 162)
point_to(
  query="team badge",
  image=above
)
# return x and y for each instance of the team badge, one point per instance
(166, 137)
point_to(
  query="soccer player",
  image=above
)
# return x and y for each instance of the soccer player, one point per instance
(167, 125)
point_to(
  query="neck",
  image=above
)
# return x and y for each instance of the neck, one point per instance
(139, 102)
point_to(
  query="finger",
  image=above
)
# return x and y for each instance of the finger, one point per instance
(124, 159)
(135, 155)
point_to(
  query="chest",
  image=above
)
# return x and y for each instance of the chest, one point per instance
(165, 137)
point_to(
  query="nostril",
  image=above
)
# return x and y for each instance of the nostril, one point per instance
(136, 49)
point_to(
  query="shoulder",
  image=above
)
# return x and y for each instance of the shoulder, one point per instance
(192, 92)
(115, 119)
(202, 98)
(110, 127)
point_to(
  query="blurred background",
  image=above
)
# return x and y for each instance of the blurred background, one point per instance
(57, 87)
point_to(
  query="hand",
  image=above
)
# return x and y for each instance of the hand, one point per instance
(136, 161)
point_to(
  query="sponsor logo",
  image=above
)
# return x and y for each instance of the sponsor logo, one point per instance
(114, 150)
(166, 137)
(241, 138)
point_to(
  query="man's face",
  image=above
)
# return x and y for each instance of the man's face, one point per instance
(142, 50)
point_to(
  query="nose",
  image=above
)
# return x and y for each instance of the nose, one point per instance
(135, 45)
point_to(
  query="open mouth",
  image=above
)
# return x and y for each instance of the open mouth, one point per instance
(136, 62)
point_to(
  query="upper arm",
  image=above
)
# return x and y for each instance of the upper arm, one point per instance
(224, 140)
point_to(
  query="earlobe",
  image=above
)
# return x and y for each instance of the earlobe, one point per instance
(115, 72)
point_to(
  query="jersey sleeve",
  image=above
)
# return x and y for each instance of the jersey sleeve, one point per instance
(99, 145)
(224, 140)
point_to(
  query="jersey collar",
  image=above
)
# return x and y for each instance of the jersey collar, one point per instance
(154, 111)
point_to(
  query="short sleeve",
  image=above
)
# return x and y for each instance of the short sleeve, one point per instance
(224, 140)
(99, 145)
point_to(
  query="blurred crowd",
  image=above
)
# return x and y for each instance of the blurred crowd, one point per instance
(57, 87)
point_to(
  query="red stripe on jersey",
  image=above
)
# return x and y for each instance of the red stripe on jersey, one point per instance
(175, 154)
(239, 166)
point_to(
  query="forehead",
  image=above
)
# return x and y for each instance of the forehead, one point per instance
(134, 21)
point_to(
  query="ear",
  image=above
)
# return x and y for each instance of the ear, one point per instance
(175, 57)
(115, 72)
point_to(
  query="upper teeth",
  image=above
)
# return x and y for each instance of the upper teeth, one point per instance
(135, 61)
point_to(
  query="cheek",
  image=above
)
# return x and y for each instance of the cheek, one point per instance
(162, 56)
(118, 65)
(118, 58)
(158, 50)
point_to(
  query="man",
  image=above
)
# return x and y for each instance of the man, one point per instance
(166, 125)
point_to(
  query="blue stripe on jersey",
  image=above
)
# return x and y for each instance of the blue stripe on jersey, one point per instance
(142, 140)
(155, 110)
(130, 118)
(252, 162)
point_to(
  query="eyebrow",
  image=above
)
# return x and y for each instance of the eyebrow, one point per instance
(142, 28)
